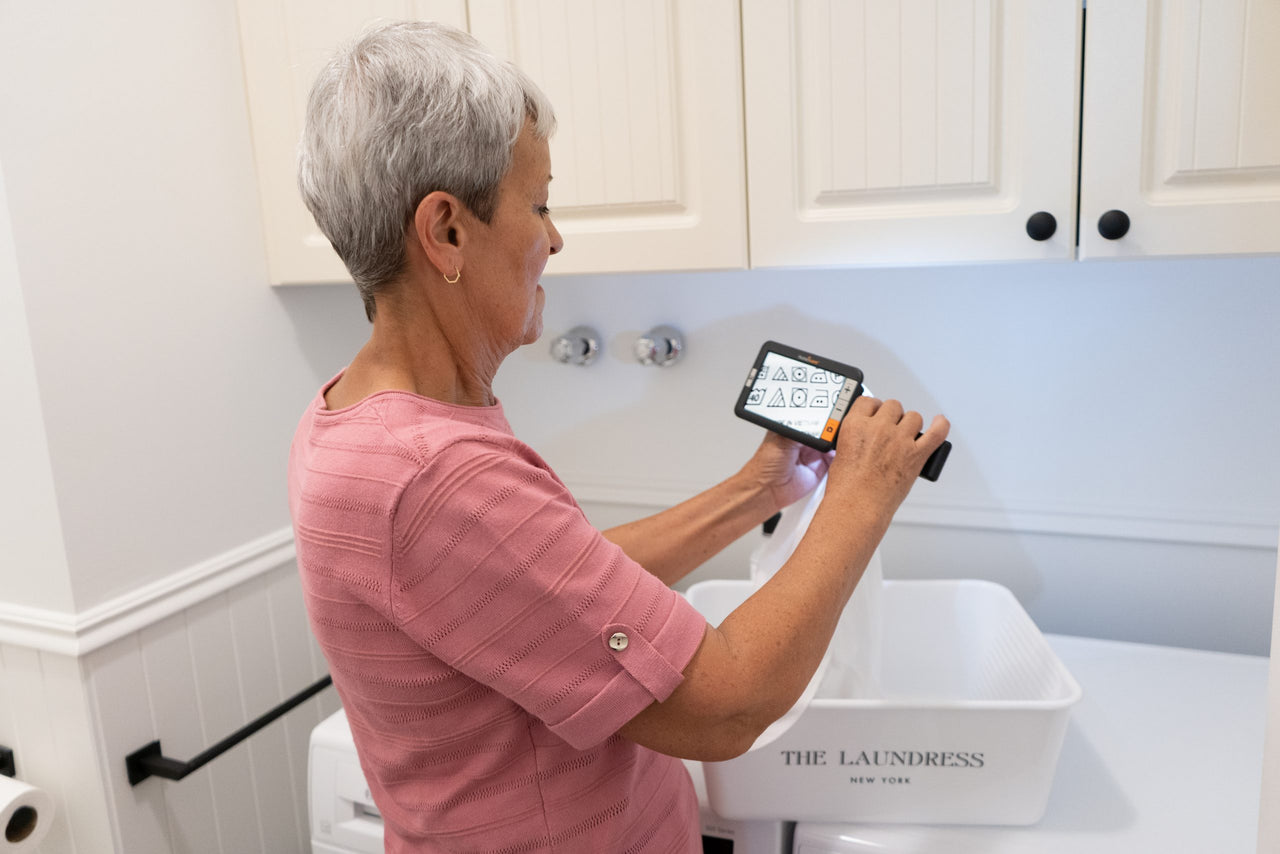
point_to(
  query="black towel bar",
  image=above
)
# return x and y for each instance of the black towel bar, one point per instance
(148, 762)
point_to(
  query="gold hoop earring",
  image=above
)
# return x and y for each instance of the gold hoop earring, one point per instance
(457, 274)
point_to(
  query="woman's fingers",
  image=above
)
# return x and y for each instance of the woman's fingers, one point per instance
(865, 406)
(937, 432)
(912, 422)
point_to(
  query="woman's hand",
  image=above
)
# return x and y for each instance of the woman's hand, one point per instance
(882, 450)
(786, 470)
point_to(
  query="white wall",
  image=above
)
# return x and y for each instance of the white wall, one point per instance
(33, 572)
(169, 374)
(1088, 385)
(153, 383)
(1109, 421)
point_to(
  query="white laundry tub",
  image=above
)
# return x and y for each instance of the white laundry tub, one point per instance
(966, 728)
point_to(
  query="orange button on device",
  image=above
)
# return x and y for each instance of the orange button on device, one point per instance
(829, 432)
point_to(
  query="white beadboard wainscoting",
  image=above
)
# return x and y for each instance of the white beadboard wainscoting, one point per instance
(190, 680)
(45, 719)
(211, 654)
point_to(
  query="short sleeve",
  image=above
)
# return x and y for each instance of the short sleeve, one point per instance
(499, 575)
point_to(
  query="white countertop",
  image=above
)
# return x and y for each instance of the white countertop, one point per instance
(1163, 754)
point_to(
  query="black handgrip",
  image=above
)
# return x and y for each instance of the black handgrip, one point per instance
(1113, 225)
(938, 459)
(1041, 225)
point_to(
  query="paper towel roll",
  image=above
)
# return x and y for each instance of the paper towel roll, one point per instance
(25, 815)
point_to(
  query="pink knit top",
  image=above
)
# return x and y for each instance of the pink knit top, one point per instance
(486, 641)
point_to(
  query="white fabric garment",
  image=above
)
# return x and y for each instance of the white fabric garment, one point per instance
(851, 667)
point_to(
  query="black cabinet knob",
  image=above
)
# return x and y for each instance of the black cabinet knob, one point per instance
(1113, 225)
(1041, 225)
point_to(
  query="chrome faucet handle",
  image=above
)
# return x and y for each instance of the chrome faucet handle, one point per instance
(579, 346)
(661, 346)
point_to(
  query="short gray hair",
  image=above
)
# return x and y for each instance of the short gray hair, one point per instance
(407, 109)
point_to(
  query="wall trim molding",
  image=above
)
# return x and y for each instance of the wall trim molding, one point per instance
(82, 632)
(1209, 527)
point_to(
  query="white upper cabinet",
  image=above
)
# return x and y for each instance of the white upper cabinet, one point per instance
(910, 131)
(856, 132)
(284, 45)
(926, 131)
(1182, 127)
(648, 158)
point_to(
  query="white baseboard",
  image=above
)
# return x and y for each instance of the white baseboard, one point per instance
(77, 634)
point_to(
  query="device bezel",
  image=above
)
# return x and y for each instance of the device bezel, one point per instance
(809, 358)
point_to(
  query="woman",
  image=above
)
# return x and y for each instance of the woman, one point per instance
(516, 680)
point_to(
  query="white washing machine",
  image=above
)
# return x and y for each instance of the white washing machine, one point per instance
(343, 817)
(345, 821)
(726, 836)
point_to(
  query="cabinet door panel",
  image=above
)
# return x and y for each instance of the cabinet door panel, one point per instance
(909, 131)
(647, 156)
(1182, 127)
(285, 43)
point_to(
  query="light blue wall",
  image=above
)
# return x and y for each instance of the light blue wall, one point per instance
(1110, 419)
(1140, 386)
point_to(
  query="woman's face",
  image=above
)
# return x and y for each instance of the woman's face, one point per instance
(512, 249)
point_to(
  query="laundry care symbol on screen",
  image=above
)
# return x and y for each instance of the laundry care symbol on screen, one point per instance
(777, 399)
(757, 396)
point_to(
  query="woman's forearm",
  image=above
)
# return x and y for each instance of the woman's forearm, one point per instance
(752, 667)
(674, 542)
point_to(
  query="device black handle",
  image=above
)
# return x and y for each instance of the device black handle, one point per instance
(1113, 225)
(938, 459)
(1041, 225)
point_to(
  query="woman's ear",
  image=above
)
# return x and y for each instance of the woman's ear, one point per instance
(439, 229)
